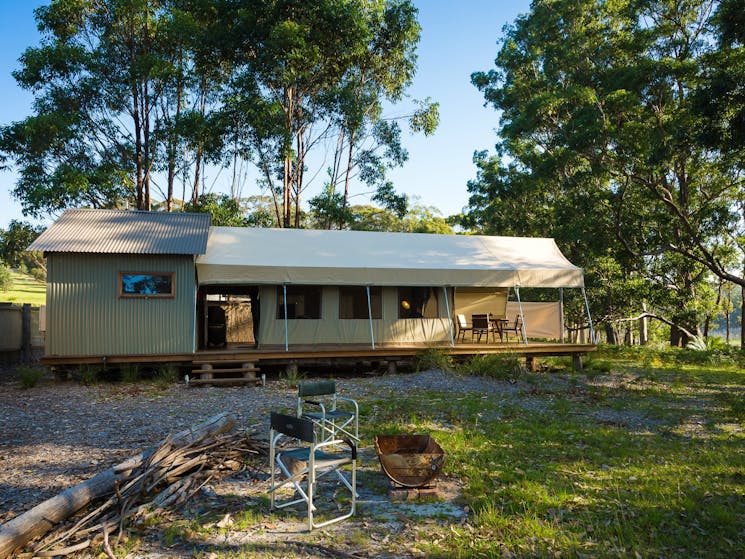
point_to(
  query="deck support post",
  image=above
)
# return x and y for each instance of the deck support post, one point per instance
(530, 363)
(577, 362)
(284, 302)
(522, 316)
(561, 315)
(450, 317)
(392, 367)
(369, 315)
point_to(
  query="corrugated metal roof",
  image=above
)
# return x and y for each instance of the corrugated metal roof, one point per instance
(126, 232)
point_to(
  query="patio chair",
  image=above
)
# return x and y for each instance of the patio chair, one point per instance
(322, 399)
(463, 327)
(482, 325)
(515, 326)
(310, 459)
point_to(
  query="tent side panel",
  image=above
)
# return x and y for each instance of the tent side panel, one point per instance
(480, 301)
(86, 316)
(330, 329)
(542, 320)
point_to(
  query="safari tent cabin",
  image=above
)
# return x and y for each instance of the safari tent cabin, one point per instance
(167, 285)
(320, 288)
(122, 282)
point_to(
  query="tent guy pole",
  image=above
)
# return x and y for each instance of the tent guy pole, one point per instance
(369, 315)
(561, 315)
(450, 318)
(587, 307)
(522, 316)
(284, 302)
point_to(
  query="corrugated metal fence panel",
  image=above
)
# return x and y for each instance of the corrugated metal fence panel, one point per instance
(85, 315)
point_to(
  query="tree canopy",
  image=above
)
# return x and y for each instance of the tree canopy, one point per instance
(136, 97)
(601, 144)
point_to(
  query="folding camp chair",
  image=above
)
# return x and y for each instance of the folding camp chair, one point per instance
(314, 460)
(322, 398)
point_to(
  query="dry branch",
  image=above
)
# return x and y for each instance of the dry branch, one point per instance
(123, 486)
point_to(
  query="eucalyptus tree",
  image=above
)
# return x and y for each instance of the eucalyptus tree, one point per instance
(599, 134)
(97, 78)
(307, 74)
(719, 104)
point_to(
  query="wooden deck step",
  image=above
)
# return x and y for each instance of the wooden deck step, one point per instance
(235, 370)
(225, 372)
(234, 380)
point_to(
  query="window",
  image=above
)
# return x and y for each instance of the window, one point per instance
(302, 302)
(417, 302)
(353, 302)
(147, 284)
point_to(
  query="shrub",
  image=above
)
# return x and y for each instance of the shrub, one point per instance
(500, 366)
(432, 358)
(292, 375)
(39, 274)
(87, 374)
(6, 280)
(30, 375)
(129, 373)
(166, 375)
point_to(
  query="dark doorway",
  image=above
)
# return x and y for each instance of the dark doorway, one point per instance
(228, 316)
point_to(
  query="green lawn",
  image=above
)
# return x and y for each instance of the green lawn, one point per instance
(640, 456)
(25, 290)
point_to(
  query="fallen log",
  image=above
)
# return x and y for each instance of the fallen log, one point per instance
(44, 516)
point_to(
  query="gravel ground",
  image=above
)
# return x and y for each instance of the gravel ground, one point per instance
(56, 435)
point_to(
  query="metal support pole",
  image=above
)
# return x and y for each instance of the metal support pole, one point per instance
(450, 318)
(369, 315)
(561, 315)
(284, 302)
(522, 316)
(587, 307)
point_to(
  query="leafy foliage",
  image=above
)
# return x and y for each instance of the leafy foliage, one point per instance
(6, 279)
(129, 92)
(598, 151)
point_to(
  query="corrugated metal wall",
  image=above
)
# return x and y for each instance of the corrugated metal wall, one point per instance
(85, 316)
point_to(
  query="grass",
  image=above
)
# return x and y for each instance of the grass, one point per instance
(640, 456)
(628, 464)
(25, 289)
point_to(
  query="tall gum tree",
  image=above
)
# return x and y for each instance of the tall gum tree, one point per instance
(596, 118)
(312, 73)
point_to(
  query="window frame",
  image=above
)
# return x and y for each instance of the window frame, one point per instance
(280, 305)
(400, 297)
(125, 295)
(373, 307)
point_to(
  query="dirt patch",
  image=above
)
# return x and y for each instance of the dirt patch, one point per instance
(56, 435)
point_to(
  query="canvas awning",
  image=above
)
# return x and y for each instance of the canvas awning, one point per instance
(237, 255)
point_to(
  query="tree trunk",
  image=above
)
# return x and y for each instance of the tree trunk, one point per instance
(610, 334)
(43, 517)
(643, 327)
(742, 316)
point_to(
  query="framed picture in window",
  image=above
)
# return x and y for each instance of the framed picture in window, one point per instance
(147, 284)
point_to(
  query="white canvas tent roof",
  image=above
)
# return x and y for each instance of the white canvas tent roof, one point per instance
(237, 255)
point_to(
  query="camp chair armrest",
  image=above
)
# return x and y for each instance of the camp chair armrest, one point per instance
(350, 400)
(318, 404)
(334, 442)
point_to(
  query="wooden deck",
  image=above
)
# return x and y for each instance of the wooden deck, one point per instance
(329, 354)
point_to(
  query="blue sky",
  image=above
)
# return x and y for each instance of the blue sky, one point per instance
(457, 39)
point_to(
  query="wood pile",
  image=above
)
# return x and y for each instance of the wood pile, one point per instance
(164, 476)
